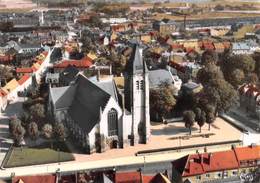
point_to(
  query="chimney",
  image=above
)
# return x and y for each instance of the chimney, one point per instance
(205, 149)
(210, 156)
(123, 102)
(110, 69)
(98, 75)
(141, 51)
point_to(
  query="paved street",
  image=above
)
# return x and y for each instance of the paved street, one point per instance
(130, 161)
(14, 108)
(251, 124)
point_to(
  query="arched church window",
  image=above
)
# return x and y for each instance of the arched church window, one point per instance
(142, 84)
(112, 123)
(137, 85)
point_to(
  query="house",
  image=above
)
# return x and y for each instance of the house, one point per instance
(137, 177)
(91, 109)
(219, 47)
(241, 48)
(68, 75)
(52, 79)
(34, 179)
(219, 31)
(82, 64)
(165, 26)
(25, 82)
(249, 98)
(11, 88)
(216, 166)
(157, 77)
(190, 88)
(6, 59)
(3, 100)
(21, 71)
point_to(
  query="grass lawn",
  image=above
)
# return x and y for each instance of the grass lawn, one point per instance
(24, 156)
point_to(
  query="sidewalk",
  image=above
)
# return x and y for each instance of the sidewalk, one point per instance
(245, 116)
(109, 163)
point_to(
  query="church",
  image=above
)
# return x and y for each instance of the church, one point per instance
(98, 115)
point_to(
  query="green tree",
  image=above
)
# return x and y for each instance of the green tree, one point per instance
(59, 131)
(209, 57)
(13, 123)
(252, 78)
(162, 100)
(210, 118)
(33, 130)
(221, 94)
(209, 74)
(47, 131)
(256, 57)
(236, 78)
(189, 119)
(244, 62)
(6, 74)
(18, 134)
(201, 121)
(37, 112)
(197, 112)
(216, 90)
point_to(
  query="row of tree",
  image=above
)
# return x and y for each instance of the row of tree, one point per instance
(18, 131)
(201, 116)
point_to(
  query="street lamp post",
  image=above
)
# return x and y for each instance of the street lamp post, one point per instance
(144, 161)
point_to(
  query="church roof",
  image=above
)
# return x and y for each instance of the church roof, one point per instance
(87, 102)
(136, 65)
(62, 96)
(68, 74)
(108, 85)
(156, 77)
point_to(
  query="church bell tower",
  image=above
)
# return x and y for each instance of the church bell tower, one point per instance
(137, 96)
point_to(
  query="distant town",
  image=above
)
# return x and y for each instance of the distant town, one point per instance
(129, 92)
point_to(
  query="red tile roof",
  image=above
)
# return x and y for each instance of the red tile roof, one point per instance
(23, 79)
(208, 46)
(147, 178)
(127, 177)
(83, 63)
(45, 53)
(6, 58)
(198, 164)
(24, 70)
(248, 153)
(36, 179)
(2, 93)
(177, 46)
(226, 44)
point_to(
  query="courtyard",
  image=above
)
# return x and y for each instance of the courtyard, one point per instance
(172, 135)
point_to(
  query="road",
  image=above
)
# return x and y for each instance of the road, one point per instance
(14, 108)
(251, 124)
(149, 163)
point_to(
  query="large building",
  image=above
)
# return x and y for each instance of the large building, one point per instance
(165, 26)
(95, 112)
(249, 98)
(217, 167)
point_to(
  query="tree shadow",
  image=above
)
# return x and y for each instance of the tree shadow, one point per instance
(171, 130)
(13, 109)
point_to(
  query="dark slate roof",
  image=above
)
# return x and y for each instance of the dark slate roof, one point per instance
(87, 102)
(68, 74)
(103, 179)
(62, 96)
(136, 65)
(156, 77)
(108, 86)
